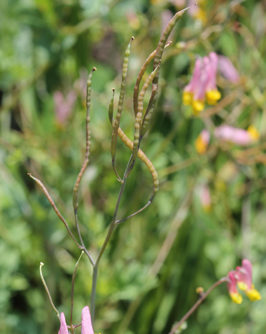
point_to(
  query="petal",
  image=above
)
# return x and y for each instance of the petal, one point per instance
(253, 294)
(86, 325)
(236, 298)
(247, 268)
(227, 69)
(234, 135)
(232, 283)
(63, 326)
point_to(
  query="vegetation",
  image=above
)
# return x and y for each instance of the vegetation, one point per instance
(209, 212)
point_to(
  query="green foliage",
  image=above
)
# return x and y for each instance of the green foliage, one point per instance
(46, 47)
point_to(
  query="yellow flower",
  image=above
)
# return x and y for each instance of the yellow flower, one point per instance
(187, 98)
(253, 294)
(201, 143)
(197, 106)
(213, 96)
(236, 298)
(253, 132)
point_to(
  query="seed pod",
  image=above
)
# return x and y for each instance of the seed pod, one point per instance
(116, 122)
(88, 137)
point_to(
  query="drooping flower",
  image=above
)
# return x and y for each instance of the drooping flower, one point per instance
(242, 278)
(236, 135)
(227, 69)
(63, 326)
(232, 288)
(86, 325)
(202, 85)
(202, 142)
(212, 93)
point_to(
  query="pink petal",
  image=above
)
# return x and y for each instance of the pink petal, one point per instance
(234, 135)
(86, 325)
(232, 284)
(247, 267)
(63, 326)
(195, 76)
(227, 69)
(211, 69)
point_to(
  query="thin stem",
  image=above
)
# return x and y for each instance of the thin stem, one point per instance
(81, 240)
(112, 225)
(107, 238)
(72, 291)
(58, 213)
(93, 290)
(47, 291)
(119, 221)
(196, 305)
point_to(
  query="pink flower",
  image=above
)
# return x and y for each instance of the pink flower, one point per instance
(63, 326)
(227, 69)
(63, 105)
(86, 325)
(232, 287)
(242, 278)
(212, 93)
(202, 84)
(236, 135)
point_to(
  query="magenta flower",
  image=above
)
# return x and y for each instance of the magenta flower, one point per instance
(236, 135)
(227, 69)
(232, 288)
(242, 278)
(63, 326)
(64, 105)
(86, 325)
(202, 84)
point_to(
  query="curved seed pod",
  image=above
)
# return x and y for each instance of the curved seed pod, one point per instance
(111, 108)
(142, 156)
(140, 112)
(157, 60)
(144, 89)
(140, 75)
(116, 122)
(88, 137)
(164, 37)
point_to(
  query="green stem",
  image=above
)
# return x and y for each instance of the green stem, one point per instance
(196, 305)
(108, 237)
(93, 290)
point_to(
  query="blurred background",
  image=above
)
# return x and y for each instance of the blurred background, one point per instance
(210, 211)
